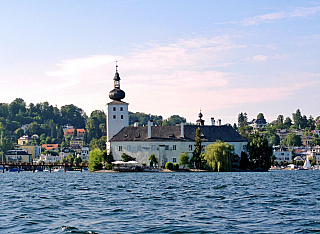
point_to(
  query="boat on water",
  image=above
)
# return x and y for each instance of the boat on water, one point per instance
(58, 169)
(307, 164)
(39, 169)
(16, 170)
(85, 170)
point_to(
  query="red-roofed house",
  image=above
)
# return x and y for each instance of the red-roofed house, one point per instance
(80, 132)
(54, 147)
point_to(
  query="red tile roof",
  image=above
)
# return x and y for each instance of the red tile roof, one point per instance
(69, 132)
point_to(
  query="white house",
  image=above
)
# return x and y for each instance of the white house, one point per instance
(166, 142)
(282, 154)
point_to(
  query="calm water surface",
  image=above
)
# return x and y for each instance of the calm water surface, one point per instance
(273, 202)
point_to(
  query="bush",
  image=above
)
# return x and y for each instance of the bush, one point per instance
(108, 166)
(169, 166)
(144, 164)
(176, 166)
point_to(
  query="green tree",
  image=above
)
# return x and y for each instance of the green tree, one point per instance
(219, 156)
(95, 160)
(244, 161)
(292, 140)
(260, 152)
(108, 157)
(173, 120)
(74, 133)
(126, 158)
(315, 142)
(153, 160)
(168, 166)
(287, 123)
(260, 116)
(242, 119)
(18, 133)
(196, 159)
(60, 133)
(98, 144)
(184, 159)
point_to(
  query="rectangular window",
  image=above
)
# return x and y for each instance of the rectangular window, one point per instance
(153, 147)
(114, 116)
(129, 147)
(121, 108)
(166, 147)
(139, 148)
(190, 147)
(121, 116)
(133, 149)
(114, 109)
(120, 148)
(174, 160)
(174, 147)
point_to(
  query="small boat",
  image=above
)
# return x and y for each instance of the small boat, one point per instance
(85, 170)
(58, 169)
(16, 170)
(39, 169)
(307, 164)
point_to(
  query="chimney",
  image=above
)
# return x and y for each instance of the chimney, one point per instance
(182, 131)
(212, 121)
(136, 123)
(219, 122)
(150, 123)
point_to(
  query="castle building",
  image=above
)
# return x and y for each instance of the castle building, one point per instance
(166, 142)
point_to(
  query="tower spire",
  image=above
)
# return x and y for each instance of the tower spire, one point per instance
(116, 93)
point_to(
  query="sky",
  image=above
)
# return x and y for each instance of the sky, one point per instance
(175, 57)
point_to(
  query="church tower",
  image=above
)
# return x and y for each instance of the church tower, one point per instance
(117, 110)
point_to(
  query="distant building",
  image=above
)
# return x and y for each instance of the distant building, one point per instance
(66, 151)
(48, 158)
(80, 132)
(67, 127)
(34, 150)
(18, 156)
(166, 142)
(25, 140)
(306, 140)
(282, 154)
(257, 123)
(54, 147)
(85, 153)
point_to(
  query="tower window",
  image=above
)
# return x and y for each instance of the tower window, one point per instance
(121, 116)
(121, 108)
(120, 148)
(114, 108)
(174, 160)
(114, 117)
(190, 147)
(174, 147)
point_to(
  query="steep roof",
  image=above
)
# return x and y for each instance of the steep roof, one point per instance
(172, 133)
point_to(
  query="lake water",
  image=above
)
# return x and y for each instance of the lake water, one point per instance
(72, 202)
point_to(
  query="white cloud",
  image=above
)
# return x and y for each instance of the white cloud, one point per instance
(177, 78)
(259, 58)
(298, 12)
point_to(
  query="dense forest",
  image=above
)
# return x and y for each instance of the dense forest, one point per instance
(46, 121)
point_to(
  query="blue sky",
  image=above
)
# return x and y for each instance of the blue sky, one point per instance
(174, 57)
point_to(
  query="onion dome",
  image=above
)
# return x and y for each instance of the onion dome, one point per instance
(117, 94)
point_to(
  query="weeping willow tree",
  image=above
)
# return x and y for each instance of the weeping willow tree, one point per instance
(219, 156)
